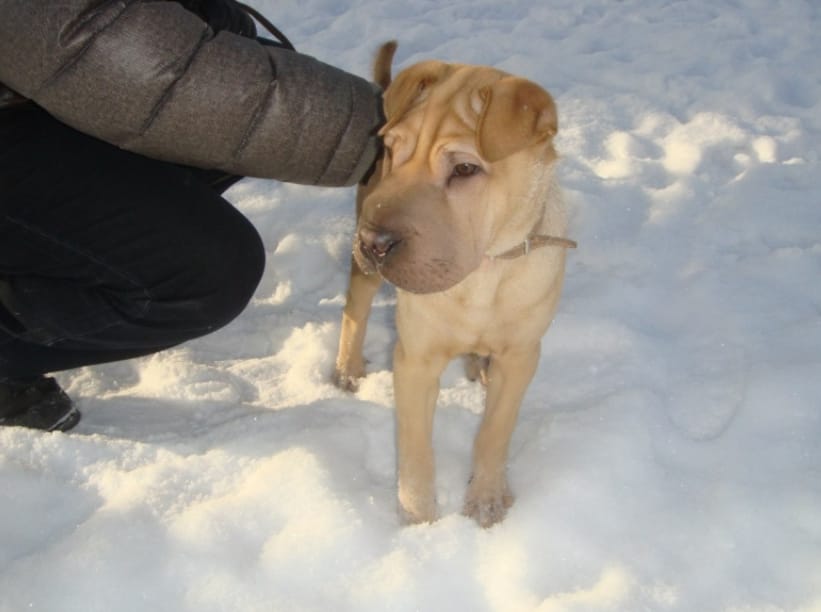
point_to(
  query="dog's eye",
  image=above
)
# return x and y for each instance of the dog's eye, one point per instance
(464, 170)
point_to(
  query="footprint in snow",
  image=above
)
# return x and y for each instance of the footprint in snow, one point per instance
(708, 391)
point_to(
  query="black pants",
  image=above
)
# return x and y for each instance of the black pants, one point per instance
(106, 255)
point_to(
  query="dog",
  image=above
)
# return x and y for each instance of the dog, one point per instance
(464, 216)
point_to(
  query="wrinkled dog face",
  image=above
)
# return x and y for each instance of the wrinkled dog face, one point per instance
(428, 221)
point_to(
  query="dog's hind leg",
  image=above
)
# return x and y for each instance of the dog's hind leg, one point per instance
(476, 367)
(350, 363)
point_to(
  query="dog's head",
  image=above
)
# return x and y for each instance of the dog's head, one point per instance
(464, 147)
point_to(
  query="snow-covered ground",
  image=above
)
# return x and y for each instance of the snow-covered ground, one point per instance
(668, 455)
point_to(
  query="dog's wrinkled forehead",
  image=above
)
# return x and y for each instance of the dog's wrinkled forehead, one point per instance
(505, 113)
(414, 86)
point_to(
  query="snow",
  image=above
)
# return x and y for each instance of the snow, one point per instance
(667, 456)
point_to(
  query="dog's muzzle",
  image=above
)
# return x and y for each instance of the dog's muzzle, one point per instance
(374, 246)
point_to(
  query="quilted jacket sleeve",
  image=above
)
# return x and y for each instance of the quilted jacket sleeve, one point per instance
(151, 77)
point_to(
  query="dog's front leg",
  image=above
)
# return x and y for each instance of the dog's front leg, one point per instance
(416, 387)
(488, 496)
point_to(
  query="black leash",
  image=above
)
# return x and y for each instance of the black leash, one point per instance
(275, 32)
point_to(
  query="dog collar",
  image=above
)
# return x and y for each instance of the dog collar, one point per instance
(534, 241)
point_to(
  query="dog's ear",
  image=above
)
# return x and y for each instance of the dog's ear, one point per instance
(515, 114)
(410, 87)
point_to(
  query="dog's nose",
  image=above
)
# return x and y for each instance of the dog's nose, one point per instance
(377, 243)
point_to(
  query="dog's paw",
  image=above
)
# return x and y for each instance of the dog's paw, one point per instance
(347, 376)
(409, 518)
(346, 382)
(416, 508)
(488, 506)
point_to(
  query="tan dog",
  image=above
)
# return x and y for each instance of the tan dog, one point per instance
(455, 216)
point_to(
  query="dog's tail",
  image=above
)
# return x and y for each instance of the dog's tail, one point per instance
(382, 64)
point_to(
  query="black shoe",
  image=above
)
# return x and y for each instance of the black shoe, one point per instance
(37, 403)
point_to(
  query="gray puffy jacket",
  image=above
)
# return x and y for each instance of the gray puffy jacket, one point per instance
(153, 78)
